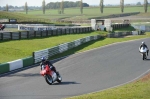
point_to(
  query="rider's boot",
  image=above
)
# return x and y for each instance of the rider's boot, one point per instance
(57, 73)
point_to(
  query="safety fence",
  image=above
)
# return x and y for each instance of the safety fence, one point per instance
(46, 33)
(120, 34)
(142, 27)
(117, 26)
(61, 48)
(21, 63)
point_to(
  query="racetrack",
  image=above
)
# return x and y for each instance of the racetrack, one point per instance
(82, 73)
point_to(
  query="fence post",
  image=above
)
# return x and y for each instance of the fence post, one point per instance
(46, 33)
(19, 35)
(11, 36)
(82, 30)
(34, 33)
(76, 30)
(2, 36)
(52, 32)
(69, 31)
(65, 32)
(72, 30)
(41, 33)
(61, 31)
(57, 32)
(33, 58)
(28, 34)
(88, 29)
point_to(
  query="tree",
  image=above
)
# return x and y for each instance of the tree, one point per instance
(122, 5)
(81, 7)
(62, 6)
(66, 4)
(43, 6)
(6, 7)
(138, 3)
(145, 5)
(101, 6)
(26, 8)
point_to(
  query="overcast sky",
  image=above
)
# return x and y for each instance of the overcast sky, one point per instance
(39, 2)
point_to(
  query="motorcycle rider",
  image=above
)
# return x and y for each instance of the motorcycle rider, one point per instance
(145, 46)
(46, 62)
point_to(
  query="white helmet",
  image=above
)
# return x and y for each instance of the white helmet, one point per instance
(143, 42)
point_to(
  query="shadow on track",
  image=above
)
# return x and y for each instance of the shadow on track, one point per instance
(66, 83)
(147, 60)
(22, 75)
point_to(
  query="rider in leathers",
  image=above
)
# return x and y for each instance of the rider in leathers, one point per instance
(145, 46)
(46, 62)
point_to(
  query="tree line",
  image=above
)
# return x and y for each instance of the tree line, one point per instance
(101, 5)
(67, 4)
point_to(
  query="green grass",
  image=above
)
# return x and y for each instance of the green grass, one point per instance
(88, 12)
(72, 13)
(14, 49)
(135, 90)
(99, 43)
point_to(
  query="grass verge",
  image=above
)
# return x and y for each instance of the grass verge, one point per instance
(15, 49)
(136, 90)
(98, 43)
(20, 48)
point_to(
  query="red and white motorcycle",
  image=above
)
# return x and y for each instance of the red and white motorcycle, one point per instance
(49, 75)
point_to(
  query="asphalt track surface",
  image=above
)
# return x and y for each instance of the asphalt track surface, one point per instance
(82, 73)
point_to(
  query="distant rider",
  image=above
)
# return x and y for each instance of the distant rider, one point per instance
(144, 46)
(46, 62)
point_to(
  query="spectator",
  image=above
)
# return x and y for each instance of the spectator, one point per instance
(1, 26)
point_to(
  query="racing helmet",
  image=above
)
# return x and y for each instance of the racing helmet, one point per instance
(143, 42)
(43, 58)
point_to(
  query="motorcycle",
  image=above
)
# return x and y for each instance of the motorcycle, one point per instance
(143, 52)
(49, 75)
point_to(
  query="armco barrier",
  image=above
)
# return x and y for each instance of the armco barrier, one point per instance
(16, 64)
(118, 34)
(20, 63)
(61, 48)
(32, 34)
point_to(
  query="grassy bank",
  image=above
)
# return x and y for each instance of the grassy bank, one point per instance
(88, 12)
(16, 49)
(136, 90)
(140, 89)
(99, 43)
(70, 14)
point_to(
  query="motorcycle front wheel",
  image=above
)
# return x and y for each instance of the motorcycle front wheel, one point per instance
(59, 78)
(144, 56)
(48, 79)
